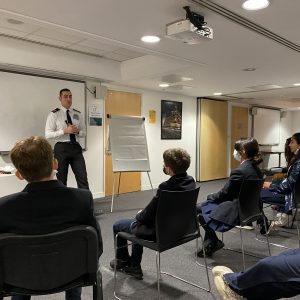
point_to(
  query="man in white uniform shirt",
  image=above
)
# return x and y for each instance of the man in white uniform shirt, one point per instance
(64, 126)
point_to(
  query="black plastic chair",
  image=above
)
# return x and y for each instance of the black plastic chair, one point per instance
(50, 263)
(176, 224)
(296, 194)
(250, 209)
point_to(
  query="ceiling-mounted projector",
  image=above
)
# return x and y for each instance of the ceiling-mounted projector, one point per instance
(192, 30)
(186, 32)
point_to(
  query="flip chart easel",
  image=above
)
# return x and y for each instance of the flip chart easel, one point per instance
(128, 146)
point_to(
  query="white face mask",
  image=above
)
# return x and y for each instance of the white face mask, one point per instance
(237, 155)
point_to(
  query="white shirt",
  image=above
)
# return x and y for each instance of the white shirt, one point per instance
(57, 121)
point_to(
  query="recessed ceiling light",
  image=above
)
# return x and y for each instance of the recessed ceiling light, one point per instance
(296, 84)
(14, 21)
(217, 94)
(163, 85)
(150, 39)
(249, 69)
(255, 4)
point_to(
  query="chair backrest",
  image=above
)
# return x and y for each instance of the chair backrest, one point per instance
(250, 206)
(176, 217)
(42, 264)
(296, 193)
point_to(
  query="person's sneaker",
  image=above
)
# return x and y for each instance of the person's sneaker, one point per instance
(281, 219)
(223, 288)
(210, 248)
(120, 263)
(135, 271)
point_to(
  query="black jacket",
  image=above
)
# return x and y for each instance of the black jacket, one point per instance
(45, 207)
(230, 191)
(224, 207)
(145, 225)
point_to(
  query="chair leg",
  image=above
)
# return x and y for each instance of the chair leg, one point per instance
(267, 236)
(298, 231)
(294, 218)
(97, 287)
(158, 273)
(205, 264)
(115, 268)
(242, 246)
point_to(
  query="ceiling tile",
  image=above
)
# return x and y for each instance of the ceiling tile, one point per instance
(79, 47)
(46, 40)
(115, 56)
(12, 32)
(129, 53)
(58, 35)
(25, 27)
(98, 45)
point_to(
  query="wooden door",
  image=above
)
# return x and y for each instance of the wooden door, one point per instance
(239, 128)
(213, 139)
(125, 104)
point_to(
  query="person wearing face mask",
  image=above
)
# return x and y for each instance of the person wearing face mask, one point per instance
(282, 192)
(176, 163)
(220, 211)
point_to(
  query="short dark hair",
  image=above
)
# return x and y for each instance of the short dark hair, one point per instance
(33, 158)
(177, 159)
(63, 90)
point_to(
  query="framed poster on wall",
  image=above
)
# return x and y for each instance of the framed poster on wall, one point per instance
(171, 120)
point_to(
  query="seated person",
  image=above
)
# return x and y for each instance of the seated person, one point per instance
(282, 192)
(176, 163)
(273, 277)
(220, 211)
(45, 205)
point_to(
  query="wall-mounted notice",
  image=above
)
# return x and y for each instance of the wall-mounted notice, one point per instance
(95, 114)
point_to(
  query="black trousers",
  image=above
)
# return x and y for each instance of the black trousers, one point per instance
(70, 154)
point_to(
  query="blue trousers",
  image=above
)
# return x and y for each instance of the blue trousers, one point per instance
(267, 196)
(72, 294)
(122, 251)
(273, 277)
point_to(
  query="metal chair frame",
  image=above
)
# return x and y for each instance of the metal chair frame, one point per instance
(158, 248)
(249, 211)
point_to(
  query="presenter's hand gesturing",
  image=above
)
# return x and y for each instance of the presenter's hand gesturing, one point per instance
(71, 129)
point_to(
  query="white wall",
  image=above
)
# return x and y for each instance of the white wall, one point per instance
(151, 101)
(295, 121)
(156, 146)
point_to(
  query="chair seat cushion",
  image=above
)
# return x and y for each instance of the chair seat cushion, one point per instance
(154, 245)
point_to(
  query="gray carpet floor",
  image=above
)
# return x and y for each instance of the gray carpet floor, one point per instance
(179, 260)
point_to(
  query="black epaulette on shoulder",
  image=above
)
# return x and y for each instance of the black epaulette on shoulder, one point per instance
(77, 110)
(55, 110)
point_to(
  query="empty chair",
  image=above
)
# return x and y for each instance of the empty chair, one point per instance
(50, 263)
(176, 224)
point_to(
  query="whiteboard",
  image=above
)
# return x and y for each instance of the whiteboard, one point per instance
(266, 126)
(128, 144)
(26, 102)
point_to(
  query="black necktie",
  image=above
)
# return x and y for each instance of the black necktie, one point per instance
(72, 136)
